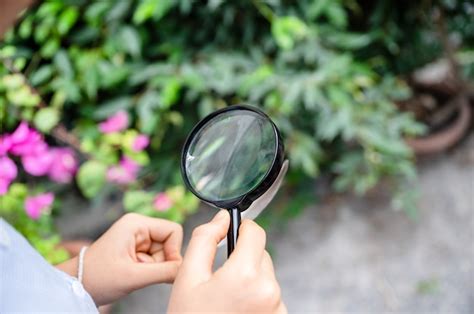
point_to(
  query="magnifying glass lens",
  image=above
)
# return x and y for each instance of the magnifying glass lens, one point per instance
(231, 155)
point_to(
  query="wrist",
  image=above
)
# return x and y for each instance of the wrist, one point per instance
(69, 266)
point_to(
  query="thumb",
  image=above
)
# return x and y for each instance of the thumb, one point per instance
(146, 274)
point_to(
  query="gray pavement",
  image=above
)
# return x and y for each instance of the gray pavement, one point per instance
(357, 255)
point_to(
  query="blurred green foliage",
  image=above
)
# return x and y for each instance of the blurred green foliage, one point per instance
(309, 64)
(408, 34)
(40, 233)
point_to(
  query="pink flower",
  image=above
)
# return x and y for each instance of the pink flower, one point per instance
(36, 205)
(36, 157)
(162, 202)
(140, 142)
(8, 172)
(125, 172)
(115, 123)
(39, 161)
(130, 165)
(63, 166)
(21, 132)
(5, 144)
(118, 175)
(25, 140)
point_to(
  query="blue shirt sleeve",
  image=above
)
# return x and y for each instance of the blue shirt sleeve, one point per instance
(28, 283)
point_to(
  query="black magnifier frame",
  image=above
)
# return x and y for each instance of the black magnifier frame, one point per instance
(240, 203)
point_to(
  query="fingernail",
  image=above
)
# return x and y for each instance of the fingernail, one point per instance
(220, 215)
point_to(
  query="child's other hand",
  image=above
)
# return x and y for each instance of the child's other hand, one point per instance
(135, 252)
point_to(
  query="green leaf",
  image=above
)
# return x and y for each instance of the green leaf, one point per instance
(175, 118)
(49, 8)
(40, 76)
(26, 27)
(336, 14)
(146, 106)
(18, 190)
(140, 158)
(316, 8)
(111, 75)
(313, 97)
(91, 178)
(12, 81)
(95, 11)
(305, 153)
(130, 41)
(137, 201)
(170, 93)
(383, 142)
(41, 32)
(287, 30)
(152, 8)
(119, 11)
(91, 82)
(46, 119)
(346, 40)
(255, 78)
(143, 74)
(110, 107)
(67, 19)
(23, 97)
(50, 47)
(144, 11)
(63, 64)
(339, 97)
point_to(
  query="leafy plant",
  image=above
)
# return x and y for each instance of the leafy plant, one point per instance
(96, 76)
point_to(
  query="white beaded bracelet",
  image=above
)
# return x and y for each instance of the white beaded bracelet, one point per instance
(80, 266)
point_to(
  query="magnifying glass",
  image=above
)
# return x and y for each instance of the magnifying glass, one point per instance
(231, 158)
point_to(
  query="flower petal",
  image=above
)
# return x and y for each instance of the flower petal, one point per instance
(37, 164)
(36, 205)
(64, 165)
(8, 169)
(162, 202)
(115, 123)
(5, 144)
(140, 142)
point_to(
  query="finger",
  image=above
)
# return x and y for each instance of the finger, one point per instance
(250, 245)
(267, 270)
(170, 234)
(145, 274)
(159, 256)
(157, 252)
(281, 309)
(145, 258)
(155, 247)
(173, 243)
(267, 265)
(161, 231)
(199, 257)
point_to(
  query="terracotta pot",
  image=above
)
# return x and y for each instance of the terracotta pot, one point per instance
(448, 136)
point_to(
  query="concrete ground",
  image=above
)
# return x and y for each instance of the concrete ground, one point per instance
(350, 255)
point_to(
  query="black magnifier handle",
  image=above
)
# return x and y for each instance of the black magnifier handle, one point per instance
(233, 232)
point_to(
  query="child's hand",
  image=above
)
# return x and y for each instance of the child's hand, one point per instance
(135, 252)
(246, 282)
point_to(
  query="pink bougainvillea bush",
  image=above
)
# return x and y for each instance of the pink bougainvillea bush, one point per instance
(36, 157)
(32, 163)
